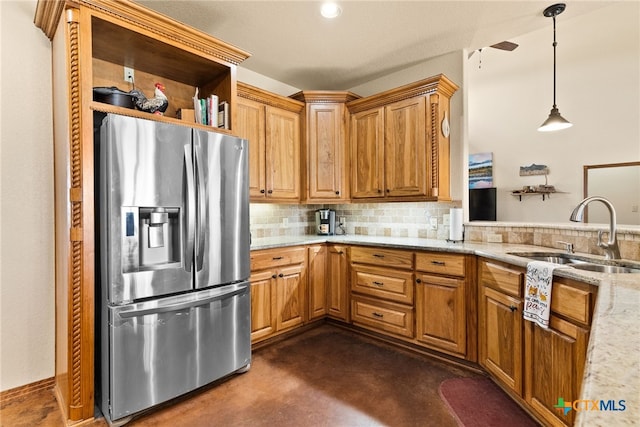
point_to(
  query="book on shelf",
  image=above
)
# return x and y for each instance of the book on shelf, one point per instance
(223, 115)
(206, 110)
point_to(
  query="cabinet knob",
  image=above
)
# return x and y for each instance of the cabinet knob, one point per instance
(418, 281)
(337, 193)
(270, 191)
(274, 276)
(513, 308)
(379, 190)
(262, 191)
(388, 191)
(280, 275)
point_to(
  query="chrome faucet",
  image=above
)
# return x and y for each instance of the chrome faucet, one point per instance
(611, 250)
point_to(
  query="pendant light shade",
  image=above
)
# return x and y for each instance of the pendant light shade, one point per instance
(555, 121)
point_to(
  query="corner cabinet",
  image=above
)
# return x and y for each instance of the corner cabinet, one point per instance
(400, 143)
(271, 123)
(325, 151)
(92, 40)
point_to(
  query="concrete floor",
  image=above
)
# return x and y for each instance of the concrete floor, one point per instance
(326, 376)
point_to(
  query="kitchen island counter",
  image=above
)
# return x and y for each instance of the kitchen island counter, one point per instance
(613, 355)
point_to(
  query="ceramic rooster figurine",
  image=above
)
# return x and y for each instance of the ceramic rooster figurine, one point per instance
(156, 105)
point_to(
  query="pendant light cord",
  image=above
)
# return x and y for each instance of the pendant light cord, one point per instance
(554, 61)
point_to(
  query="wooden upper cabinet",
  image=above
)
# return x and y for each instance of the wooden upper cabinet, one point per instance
(405, 148)
(325, 145)
(92, 40)
(413, 123)
(271, 123)
(367, 154)
(250, 126)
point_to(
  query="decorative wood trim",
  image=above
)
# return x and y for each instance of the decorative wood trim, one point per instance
(136, 15)
(439, 83)
(23, 390)
(433, 142)
(324, 96)
(253, 93)
(48, 15)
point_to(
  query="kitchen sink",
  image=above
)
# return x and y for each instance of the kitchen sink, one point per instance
(581, 262)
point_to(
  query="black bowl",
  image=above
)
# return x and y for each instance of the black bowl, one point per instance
(114, 96)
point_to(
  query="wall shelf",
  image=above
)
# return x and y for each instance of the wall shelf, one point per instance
(544, 194)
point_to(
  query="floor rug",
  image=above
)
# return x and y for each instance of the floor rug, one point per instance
(477, 401)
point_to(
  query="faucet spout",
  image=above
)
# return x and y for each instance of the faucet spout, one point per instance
(611, 250)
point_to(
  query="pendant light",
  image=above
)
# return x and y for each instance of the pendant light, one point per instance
(555, 120)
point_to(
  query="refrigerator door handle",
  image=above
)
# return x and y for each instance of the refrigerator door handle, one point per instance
(181, 305)
(202, 200)
(191, 208)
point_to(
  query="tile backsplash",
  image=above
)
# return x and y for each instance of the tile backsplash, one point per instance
(409, 219)
(412, 219)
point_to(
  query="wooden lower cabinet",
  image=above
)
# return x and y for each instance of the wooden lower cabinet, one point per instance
(380, 315)
(441, 313)
(554, 365)
(500, 342)
(318, 286)
(338, 282)
(278, 291)
(263, 304)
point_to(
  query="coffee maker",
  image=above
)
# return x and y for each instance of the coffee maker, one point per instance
(326, 221)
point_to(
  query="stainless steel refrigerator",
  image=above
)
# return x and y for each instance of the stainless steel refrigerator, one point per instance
(174, 262)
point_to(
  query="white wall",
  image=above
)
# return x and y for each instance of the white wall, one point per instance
(26, 210)
(598, 90)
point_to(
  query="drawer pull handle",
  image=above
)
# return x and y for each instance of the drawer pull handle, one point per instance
(513, 308)
(378, 283)
(438, 263)
(377, 315)
(275, 258)
(378, 256)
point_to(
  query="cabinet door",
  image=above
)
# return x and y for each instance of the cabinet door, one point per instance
(405, 148)
(440, 313)
(317, 281)
(282, 154)
(554, 365)
(338, 286)
(290, 296)
(263, 304)
(326, 151)
(367, 154)
(500, 340)
(250, 125)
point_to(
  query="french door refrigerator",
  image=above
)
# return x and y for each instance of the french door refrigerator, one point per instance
(174, 299)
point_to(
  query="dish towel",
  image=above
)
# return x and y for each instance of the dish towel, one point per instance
(537, 297)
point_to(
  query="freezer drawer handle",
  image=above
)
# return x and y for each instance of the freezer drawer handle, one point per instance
(182, 305)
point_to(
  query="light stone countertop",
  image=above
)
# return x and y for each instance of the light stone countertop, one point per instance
(612, 370)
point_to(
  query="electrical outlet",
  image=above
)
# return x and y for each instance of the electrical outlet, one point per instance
(343, 221)
(285, 222)
(129, 75)
(433, 223)
(446, 219)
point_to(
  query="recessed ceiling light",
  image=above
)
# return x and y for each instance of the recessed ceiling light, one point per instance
(330, 10)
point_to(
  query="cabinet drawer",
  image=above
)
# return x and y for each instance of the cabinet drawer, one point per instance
(572, 302)
(383, 283)
(440, 263)
(276, 257)
(385, 316)
(382, 257)
(501, 278)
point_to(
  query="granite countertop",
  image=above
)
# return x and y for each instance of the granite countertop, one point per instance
(613, 355)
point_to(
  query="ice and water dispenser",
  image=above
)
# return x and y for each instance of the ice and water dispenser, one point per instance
(151, 238)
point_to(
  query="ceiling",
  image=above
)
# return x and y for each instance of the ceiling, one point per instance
(291, 42)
